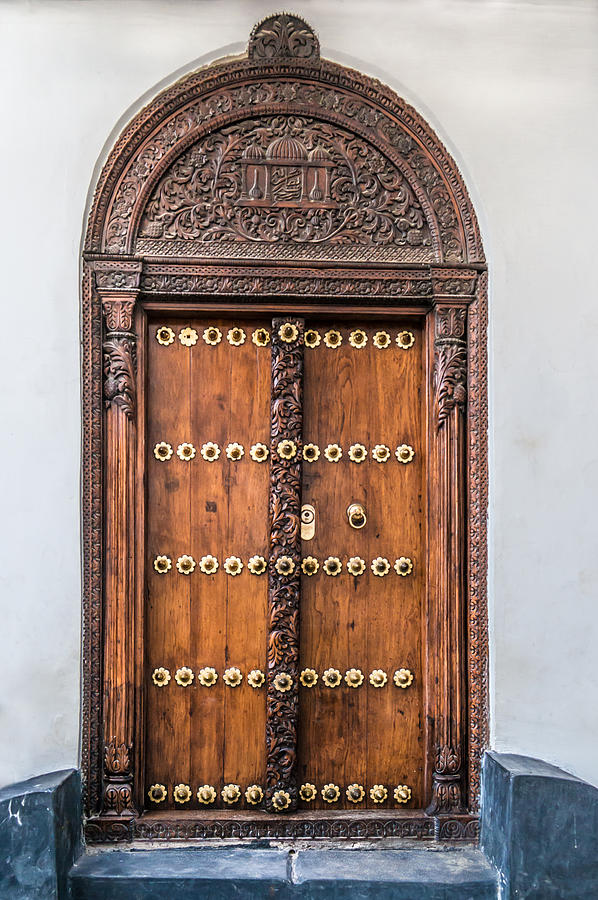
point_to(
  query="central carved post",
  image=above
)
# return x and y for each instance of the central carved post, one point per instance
(120, 436)
(448, 575)
(285, 557)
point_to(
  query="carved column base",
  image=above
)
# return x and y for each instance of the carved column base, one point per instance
(117, 794)
(447, 795)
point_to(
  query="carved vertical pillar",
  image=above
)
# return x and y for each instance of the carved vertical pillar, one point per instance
(120, 437)
(284, 571)
(448, 570)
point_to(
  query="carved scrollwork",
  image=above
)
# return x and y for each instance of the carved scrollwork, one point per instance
(283, 36)
(450, 361)
(285, 540)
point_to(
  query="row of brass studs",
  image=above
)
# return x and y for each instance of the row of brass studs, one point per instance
(236, 336)
(283, 682)
(254, 794)
(286, 449)
(284, 565)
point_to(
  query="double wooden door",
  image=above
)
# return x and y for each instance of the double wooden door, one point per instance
(357, 467)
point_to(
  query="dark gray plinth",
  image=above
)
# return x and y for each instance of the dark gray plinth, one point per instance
(539, 826)
(462, 874)
(40, 836)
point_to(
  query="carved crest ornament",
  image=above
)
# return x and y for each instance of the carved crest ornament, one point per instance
(279, 174)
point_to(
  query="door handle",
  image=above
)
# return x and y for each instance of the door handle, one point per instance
(308, 522)
(356, 515)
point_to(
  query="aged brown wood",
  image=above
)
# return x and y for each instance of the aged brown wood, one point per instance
(279, 185)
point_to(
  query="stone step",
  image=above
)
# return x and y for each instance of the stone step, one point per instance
(245, 874)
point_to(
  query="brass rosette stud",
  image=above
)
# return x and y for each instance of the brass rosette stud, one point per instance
(405, 339)
(354, 678)
(260, 337)
(310, 565)
(256, 678)
(311, 452)
(208, 676)
(402, 793)
(188, 337)
(381, 453)
(259, 452)
(231, 793)
(206, 794)
(358, 339)
(378, 793)
(288, 332)
(381, 340)
(257, 565)
(332, 566)
(357, 453)
(380, 566)
(287, 449)
(157, 793)
(254, 794)
(308, 678)
(186, 452)
(356, 565)
(184, 676)
(233, 565)
(333, 453)
(403, 678)
(235, 451)
(332, 678)
(182, 793)
(281, 800)
(283, 682)
(404, 453)
(331, 793)
(312, 338)
(161, 677)
(232, 677)
(210, 451)
(236, 336)
(333, 339)
(284, 565)
(208, 565)
(162, 564)
(163, 451)
(403, 566)
(212, 335)
(308, 792)
(165, 335)
(355, 793)
(185, 564)
(378, 678)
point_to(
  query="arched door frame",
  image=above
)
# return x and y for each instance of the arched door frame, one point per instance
(434, 269)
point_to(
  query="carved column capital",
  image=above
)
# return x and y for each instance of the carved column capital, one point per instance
(120, 351)
(450, 360)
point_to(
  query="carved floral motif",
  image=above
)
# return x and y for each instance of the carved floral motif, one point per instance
(283, 36)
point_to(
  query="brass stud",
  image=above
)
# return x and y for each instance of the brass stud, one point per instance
(165, 335)
(232, 677)
(381, 453)
(235, 336)
(163, 451)
(404, 453)
(212, 335)
(157, 793)
(403, 566)
(333, 339)
(378, 793)
(402, 793)
(312, 338)
(355, 793)
(259, 452)
(356, 565)
(256, 678)
(311, 452)
(307, 792)
(331, 793)
(405, 339)
(231, 793)
(332, 566)
(261, 337)
(188, 337)
(210, 451)
(354, 678)
(381, 340)
(308, 678)
(358, 338)
(283, 682)
(333, 453)
(233, 565)
(380, 566)
(182, 793)
(185, 451)
(281, 800)
(235, 451)
(208, 676)
(185, 564)
(257, 565)
(357, 453)
(254, 794)
(184, 676)
(332, 678)
(287, 449)
(288, 332)
(310, 565)
(206, 794)
(208, 565)
(403, 678)
(284, 565)
(161, 677)
(162, 564)
(378, 678)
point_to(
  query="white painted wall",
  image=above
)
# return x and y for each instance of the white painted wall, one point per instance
(513, 86)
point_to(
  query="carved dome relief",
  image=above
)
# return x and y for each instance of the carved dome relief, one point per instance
(285, 180)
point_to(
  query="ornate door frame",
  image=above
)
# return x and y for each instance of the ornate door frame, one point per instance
(404, 240)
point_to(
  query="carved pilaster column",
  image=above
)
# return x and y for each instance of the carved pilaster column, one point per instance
(448, 575)
(285, 557)
(120, 439)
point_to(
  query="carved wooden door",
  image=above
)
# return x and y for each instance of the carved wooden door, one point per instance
(241, 619)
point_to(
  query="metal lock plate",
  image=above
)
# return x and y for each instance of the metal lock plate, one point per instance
(308, 522)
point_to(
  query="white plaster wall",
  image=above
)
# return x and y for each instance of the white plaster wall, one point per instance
(513, 86)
